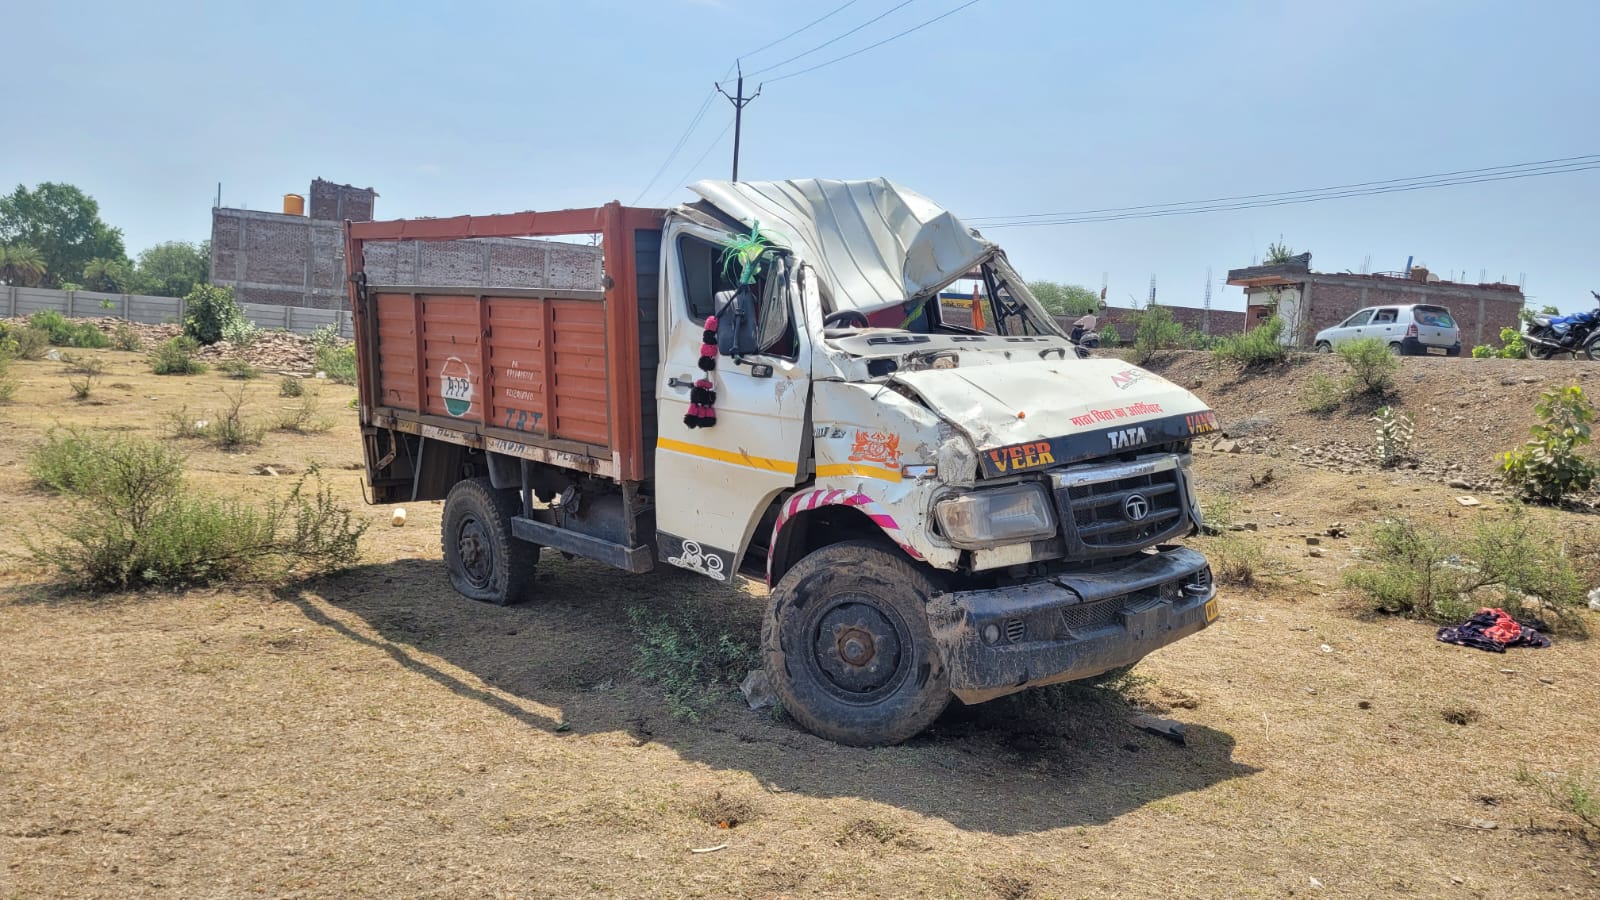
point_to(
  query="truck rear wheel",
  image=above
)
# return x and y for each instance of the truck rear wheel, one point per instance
(847, 645)
(486, 563)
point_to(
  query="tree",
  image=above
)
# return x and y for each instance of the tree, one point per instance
(1279, 253)
(63, 224)
(172, 269)
(112, 276)
(1060, 299)
(21, 264)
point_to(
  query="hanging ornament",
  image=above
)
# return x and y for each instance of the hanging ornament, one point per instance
(702, 398)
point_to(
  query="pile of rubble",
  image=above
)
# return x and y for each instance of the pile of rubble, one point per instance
(274, 351)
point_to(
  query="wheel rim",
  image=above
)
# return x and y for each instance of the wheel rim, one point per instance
(476, 552)
(1594, 351)
(859, 649)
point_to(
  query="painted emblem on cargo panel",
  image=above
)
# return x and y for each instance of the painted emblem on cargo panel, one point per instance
(876, 446)
(455, 386)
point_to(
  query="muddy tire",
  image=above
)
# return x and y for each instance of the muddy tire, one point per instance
(847, 645)
(1535, 351)
(486, 563)
(1324, 347)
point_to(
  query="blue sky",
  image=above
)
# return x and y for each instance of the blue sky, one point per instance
(1006, 107)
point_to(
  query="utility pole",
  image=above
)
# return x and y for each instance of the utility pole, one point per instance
(739, 101)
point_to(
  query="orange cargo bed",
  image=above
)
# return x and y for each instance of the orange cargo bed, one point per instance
(558, 376)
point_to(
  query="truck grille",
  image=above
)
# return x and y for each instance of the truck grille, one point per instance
(1122, 507)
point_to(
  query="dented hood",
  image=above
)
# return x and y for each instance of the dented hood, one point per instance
(1030, 415)
(874, 242)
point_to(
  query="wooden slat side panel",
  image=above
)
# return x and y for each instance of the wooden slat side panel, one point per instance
(578, 345)
(516, 361)
(397, 351)
(452, 357)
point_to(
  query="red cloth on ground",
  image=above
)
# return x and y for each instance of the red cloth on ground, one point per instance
(1504, 630)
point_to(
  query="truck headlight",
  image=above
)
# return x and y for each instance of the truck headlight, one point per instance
(991, 518)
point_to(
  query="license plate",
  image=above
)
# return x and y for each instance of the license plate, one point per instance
(1438, 351)
(1211, 610)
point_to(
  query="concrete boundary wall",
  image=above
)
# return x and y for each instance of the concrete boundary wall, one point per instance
(21, 302)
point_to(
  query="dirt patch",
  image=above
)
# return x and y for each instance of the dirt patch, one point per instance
(1465, 411)
(374, 734)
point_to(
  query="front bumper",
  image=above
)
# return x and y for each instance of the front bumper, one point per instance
(1070, 626)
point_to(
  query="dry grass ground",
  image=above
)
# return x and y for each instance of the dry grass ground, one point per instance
(374, 734)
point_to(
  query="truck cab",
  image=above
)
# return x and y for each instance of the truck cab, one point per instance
(943, 502)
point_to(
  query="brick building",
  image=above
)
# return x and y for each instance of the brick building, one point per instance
(1310, 301)
(1215, 321)
(295, 260)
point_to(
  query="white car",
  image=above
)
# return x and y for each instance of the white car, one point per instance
(1416, 330)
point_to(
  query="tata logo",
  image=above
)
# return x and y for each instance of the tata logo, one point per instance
(1135, 508)
(1126, 437)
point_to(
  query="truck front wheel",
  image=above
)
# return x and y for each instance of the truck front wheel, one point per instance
(485, 562)
(847, 645)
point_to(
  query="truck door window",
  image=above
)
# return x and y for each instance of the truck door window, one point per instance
(1358, 319)
(702, 275)
(705, 276)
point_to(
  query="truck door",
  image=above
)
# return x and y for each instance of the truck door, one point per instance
(713, 483)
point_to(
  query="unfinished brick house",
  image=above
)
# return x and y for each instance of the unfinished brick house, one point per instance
(288, 259)
(1310, 301)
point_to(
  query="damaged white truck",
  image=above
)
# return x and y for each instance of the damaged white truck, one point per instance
(944, 497)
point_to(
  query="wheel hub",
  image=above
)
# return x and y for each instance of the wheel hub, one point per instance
(477, 560)
(857, 648)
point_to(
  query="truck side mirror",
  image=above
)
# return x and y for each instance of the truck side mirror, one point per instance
(736, 322)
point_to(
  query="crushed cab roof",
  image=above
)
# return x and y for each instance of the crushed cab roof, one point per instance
(873, 242)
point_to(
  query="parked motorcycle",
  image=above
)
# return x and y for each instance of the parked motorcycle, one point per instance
(1544, 335)
(1084, 336)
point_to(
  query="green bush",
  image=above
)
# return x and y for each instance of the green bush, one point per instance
(1371, 365)
(176, 357)
(1483, 351)
(1548, 467)
(305, 417)
(1517, 563)
(326, 336)
(1110, 336)
(1153, 332)
(1321, 394)
(1395, 431)
(1260, 346)
(338, 362)
(64, 332)
(121, 470)
(134, 525)
(8, 384)
(123, 337)
(230, 430)
(32, 343)
(238, 368)
(290, 386)
(241, 332)
(211, 311)
(1512, 346)
(692, 658)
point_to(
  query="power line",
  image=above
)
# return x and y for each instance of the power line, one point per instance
(684, 179)
(832, 40)
(791, 34)
(682, 139)
(892, 37)
(1277, 194)
(1288, 201)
